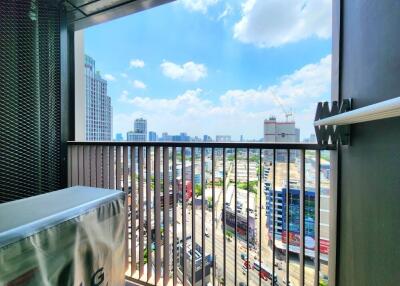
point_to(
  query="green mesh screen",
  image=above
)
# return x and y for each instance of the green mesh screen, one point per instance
(29, 98)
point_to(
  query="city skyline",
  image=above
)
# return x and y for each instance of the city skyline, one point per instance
(222, 77)
(274, 131)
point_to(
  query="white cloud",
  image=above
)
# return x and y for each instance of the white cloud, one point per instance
(236, 111)
(138, 84)
(124, 75)
(272, 23)
(109, 77)
(198, 5)
(227, 11)
(124, 96)
(189, 71)
(136, 63)
(190, 97)
(301, 87)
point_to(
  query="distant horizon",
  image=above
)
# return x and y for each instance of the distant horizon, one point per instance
(201, 136)
(223, 71)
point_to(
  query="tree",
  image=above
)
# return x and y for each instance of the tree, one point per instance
(229, 235)
(209, 202)
(145, 255)
(197, 190)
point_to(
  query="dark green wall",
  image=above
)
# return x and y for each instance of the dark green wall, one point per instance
(369, 201)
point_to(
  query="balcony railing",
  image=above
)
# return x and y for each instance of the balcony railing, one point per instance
(227, 201)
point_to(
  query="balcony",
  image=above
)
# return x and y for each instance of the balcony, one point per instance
(40, 111)
(230, 219)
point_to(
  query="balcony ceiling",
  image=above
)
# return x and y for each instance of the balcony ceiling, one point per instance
(85, 13)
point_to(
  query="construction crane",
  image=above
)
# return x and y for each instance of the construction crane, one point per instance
(287, 113)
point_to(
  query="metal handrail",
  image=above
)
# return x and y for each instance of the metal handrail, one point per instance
(227, 145)
(385, 109)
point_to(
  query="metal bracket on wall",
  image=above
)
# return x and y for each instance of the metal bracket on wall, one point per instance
(336, 133)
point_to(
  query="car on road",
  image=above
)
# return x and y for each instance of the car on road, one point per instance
(266, 275)
(264, 272)
(256, 265)
(243, 256)
(246, 265)
(242, 284)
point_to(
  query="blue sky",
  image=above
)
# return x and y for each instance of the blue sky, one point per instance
(216, 66)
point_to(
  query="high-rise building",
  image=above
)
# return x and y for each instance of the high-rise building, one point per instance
(297, 130)
(207, 138)
(280, 132)
(98, 104)
(139, 132)
(152, 136)
(311, 139)
(184, 137)
(119, 137)
(223, 138)
(133, 136)
(276, 131)
(140, 126)
(165, 137)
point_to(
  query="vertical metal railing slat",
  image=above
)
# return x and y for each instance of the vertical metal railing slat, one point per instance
(203, 230)
(69, 166)
(248, 215)
(118, 168)
(174, 219)
(273, 213)
(111, 155)
(157, 213)
(125, 190)
(317, 216)
(235, 232)
(259, 212)
(99, 167)
(141, 210)
(302, 212)
(106, 167)
(81, 176)
(193, 215)
(213, 213)
(86, 165)
(125, 169)
(287, 211)
(223, 212)
(133, 210)
(184, 274)
(74, 166)
(166, 214)
(148, 212)
(93, 175)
